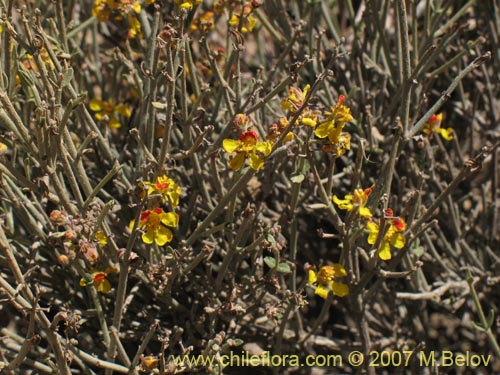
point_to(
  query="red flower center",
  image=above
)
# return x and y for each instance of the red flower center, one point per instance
(145, 215)
(99, 278)
(249, 136)
(161, 186)
(399, 224)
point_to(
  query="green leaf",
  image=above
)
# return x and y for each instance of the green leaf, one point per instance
(67, 77)
(305, 167)
(270, 261)
(159, 105)
(283, 268)
(271, 240)
(489, 320)
(297, 179)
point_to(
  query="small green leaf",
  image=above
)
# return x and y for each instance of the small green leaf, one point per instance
(283, 268)
(297, 179)
(159, 105)
(305, 167)
(489, 320)
(236, 342)
(478, 326)
(271, 240)
(67, 77)
(270, 261)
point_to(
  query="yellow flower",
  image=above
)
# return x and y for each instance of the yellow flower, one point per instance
(99, 280)
(101, 238)
(295, 100)
(324, 280)
(187, 4)
(3, 148)
(205, 22)
(248, 22)
(149, 363)
(101, 10)
(392, 237)
(357, 200)
(121, 9)
(154, 223)
(342, 146)
(108, 111)
(166, 187)
(276, 129)
(434, 126)
(249, 147)
(335, 120)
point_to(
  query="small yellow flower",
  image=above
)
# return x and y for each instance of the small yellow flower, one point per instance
(154, 223)
(101, 10)
(357, 200)
(187, 4)
(295, 100)
(324, 280)
(392, 237)
(205, 22)
(434, 126)
(120, 9)
(248, 22)
(149, 363)
(335, 121)
(276, 129)
(108, 111)
(249, 147)
(101, 238)
(99, 280)
(166, 187)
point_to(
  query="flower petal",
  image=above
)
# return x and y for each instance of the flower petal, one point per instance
(339, 289)
(104, 286)
(96, 105)
(237, 162)
(256, 162)
(323, 129)
(264, 147)
(322, 291)
(312, 277)
(398, 240)
(365, 212)
(447, 134)
(149, 236)
(385, 251)
(170, 219)
(231, 145)
(163, 235)
(339, 270)
(343, 204)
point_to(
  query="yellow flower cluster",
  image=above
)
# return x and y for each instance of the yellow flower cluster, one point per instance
(109, 112)
(187, 4)
(155, 222)
(332, 124)
(103, 10)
